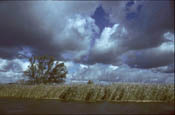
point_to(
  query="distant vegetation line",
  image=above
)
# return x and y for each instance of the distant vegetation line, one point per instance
(91, 92)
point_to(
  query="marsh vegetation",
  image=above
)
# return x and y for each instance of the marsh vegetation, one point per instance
(92, 92)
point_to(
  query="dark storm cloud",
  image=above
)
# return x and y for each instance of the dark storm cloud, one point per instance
(8, 53)
(165, 69)
(40, 26)
(19, 28)
(152, 21)
(152, 57)
(145, 22)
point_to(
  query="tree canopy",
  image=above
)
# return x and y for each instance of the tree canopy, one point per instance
(45, 69)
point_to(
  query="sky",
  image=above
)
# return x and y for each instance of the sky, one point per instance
(107, 41)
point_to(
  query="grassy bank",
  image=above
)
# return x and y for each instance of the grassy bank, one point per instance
(92, 92)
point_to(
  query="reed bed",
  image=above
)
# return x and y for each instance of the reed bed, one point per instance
(92, 92)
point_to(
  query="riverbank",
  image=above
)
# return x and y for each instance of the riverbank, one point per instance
(91, 92)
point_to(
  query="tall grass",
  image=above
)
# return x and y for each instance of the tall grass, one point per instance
(91, 92)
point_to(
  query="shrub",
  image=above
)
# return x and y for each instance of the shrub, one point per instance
(45, 69)
(90, 82)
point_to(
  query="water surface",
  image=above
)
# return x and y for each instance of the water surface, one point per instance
(31, 106)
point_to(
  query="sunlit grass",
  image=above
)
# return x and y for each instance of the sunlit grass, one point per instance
(92, 92)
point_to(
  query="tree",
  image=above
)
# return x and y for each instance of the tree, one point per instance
(45, 69)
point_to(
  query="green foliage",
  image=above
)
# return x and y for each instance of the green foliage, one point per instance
(45, 69)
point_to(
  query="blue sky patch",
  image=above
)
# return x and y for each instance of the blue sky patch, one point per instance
(101, 18)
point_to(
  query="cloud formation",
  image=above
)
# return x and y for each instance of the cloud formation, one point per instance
(137, 33)
(151, 57)
(109, 46)
(12, 70)
(123, 73)
(40, 24)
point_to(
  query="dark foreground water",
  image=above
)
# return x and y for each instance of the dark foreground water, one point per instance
(25, 106)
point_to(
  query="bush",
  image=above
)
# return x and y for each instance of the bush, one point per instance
(90, 82)
(45, 69)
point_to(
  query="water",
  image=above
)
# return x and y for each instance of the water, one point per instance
(31, 106)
